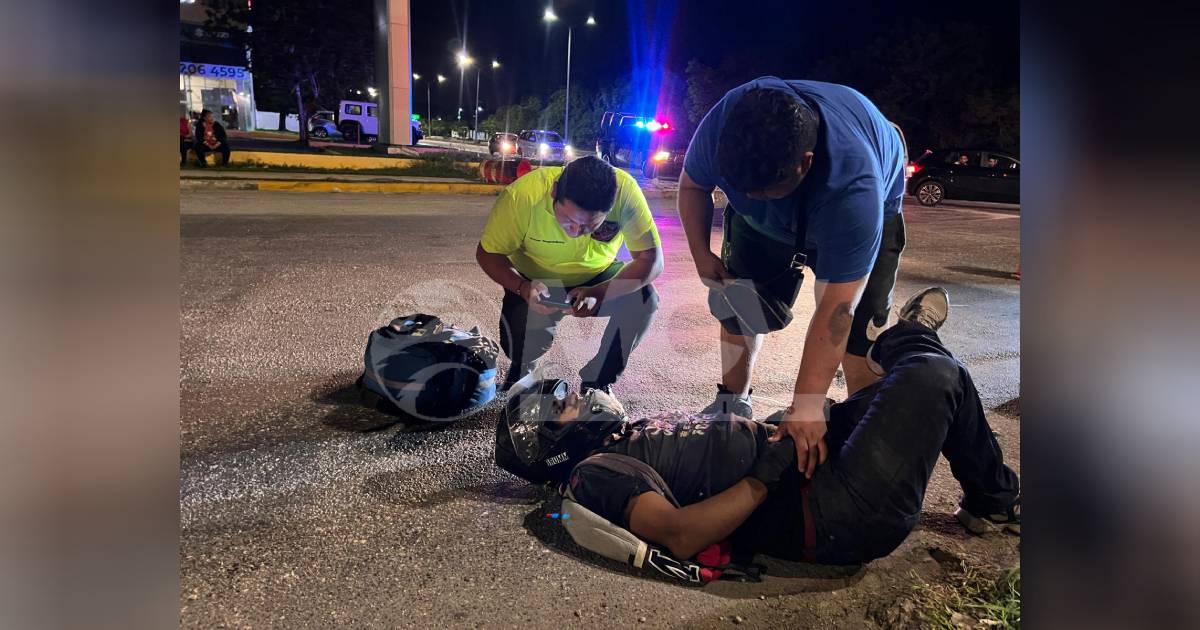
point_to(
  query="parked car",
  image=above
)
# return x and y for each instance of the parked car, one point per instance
(974, 174)
(631, 141)
(322, 124)
(358, 121)
(502, 143)
(542, 145)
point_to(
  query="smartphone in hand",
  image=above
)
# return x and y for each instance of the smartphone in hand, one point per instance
(556, 304)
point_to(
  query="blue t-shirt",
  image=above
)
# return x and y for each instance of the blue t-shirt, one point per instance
(856, 181)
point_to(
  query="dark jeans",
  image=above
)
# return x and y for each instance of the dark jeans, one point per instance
(184, 145)
(525, 336)
(202, 150)
(884, 441)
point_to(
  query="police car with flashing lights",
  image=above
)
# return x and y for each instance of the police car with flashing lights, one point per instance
(639, 142)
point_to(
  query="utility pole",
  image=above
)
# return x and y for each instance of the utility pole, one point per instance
(567, 103)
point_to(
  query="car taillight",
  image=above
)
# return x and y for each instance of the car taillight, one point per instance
(912, 169)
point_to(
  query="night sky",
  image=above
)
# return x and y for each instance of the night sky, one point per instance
(786, 38)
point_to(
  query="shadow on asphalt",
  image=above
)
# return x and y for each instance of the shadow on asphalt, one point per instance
(388, 488)
(1004, 274)
(345, 410)
(780, 578)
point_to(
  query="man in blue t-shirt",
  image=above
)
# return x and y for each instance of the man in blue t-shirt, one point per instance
(814, 174)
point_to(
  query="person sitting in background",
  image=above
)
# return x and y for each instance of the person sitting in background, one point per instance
(736, 480)
(185, 140)
(963, 160)
(210, 137)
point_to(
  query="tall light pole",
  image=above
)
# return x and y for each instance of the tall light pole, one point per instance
(440, 79)
(417, 77)
(549, 17)
(463, 60)
(478, 73)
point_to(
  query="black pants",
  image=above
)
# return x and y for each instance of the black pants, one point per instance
(883, 443)
(202, 150)
(525, 336)
(184, 145)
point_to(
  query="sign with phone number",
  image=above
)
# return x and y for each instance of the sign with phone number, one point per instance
(212, 70)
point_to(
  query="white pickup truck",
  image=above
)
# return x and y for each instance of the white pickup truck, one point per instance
(359, 122)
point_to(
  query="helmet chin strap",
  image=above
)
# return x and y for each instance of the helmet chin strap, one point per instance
(601, 406)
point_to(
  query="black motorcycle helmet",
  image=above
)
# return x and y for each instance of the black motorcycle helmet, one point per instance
(531, 446)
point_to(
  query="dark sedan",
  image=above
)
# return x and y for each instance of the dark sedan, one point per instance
(502, 144)
(970, 174)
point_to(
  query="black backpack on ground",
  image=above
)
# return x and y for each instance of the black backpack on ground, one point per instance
(419, 368)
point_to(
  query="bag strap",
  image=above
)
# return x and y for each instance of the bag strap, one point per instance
(799, 258)
(626, 465)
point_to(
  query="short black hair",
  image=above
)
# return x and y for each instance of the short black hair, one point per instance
(764, 139)
(589, 182)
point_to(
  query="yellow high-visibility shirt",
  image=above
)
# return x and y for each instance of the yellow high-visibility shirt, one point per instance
(523, 228)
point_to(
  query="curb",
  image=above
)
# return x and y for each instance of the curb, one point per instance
(335, 187)
(453, 188)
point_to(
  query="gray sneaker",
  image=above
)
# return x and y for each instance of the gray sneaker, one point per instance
(930, 308)
(728, 402)
(586, 385)
(1009, 521)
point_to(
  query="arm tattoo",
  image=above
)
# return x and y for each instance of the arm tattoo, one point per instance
(840, 321)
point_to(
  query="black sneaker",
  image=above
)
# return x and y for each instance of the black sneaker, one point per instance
(930, 308)
(1009, 521)
(728, 402)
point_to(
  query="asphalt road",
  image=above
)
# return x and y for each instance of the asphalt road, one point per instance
(293, 516)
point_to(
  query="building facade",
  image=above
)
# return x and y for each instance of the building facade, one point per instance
(214, 70)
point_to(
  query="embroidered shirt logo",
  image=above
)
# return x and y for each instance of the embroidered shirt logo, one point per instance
(606, 232)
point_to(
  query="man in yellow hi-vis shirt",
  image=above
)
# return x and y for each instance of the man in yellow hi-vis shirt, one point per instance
(552, 242)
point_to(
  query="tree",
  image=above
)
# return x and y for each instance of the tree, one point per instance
(304, 52)
(706, 85)
(943, 90)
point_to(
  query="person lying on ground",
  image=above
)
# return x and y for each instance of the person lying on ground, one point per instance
(736, 480)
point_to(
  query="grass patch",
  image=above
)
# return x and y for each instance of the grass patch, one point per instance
(434, 166)
(972, 600)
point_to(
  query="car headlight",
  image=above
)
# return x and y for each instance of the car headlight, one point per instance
(505, 146)
(662, 156)
(569, 150)
(543, 148)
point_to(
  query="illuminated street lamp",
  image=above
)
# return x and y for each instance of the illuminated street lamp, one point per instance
(549, 17)
(463, 60)
(495, 66)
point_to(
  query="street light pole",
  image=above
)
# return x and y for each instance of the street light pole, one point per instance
(475, 130)
(567, 103)
(549, 17)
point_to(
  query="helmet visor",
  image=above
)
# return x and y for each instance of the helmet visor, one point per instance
(535, 408)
